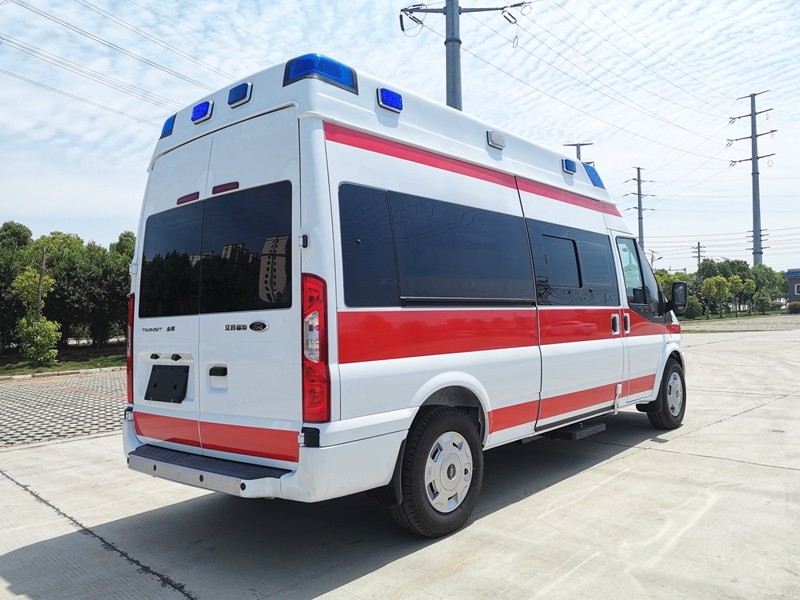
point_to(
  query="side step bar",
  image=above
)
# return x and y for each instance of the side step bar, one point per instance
(577, 432)
(238, 479)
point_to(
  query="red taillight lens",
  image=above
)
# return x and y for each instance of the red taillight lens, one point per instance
(316, 376)
(130, 348)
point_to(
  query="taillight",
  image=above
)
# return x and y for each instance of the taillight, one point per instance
(316, 376)
(130, 348)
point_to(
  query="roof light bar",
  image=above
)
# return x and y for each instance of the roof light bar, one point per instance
(569, 166)
(390, 100)
(316, 66)
(202, 112)
(240, 94)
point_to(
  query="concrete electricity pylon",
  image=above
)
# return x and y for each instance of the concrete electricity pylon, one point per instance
(452, 43)
(758, 252)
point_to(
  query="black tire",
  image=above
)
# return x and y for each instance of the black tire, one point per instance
(672, 397)
(439, 436)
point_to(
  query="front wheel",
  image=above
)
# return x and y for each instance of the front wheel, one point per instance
(442, 472)
(672, 396)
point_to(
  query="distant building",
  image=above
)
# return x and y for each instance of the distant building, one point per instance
(793, 277)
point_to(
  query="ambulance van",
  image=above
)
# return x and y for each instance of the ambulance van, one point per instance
(341, 286)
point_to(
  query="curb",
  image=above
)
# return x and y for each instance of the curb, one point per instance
(57, 373)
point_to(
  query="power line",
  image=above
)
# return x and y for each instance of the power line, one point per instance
(90, 74)
(604, 39)
(614, 97)
(111, 45)
(79, 98)
(658, 55)
(567, 104)
(154, 39)
(615, 74)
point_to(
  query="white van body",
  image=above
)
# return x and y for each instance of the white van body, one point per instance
(324, 258)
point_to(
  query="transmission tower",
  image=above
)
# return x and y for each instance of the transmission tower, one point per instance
(758, 252)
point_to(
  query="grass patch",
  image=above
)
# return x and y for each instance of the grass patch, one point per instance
(69, 359)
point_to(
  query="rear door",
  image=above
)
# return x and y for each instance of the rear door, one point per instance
(166, 402)
(249, 376)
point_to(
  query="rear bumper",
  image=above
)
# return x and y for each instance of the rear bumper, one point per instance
(322, 473)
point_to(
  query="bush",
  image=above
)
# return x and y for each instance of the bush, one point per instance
(37, 339)
(762, 301)
(794, 308)
(694, 309)
(776, 305)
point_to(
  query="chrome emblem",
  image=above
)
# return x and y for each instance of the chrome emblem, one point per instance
(259, 326)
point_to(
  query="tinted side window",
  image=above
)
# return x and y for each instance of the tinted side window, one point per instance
(170, 274)
(572, 266)
(450, 252)
(246, 253)
(369, 269)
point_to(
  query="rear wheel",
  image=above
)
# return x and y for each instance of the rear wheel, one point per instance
(672, 396)
(442, 472)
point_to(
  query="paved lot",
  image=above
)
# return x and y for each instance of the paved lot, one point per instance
(711, 510)
(39, 409)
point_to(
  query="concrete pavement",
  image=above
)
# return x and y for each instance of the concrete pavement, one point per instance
(711, 510)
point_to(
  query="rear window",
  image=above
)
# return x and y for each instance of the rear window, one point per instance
(225, 254)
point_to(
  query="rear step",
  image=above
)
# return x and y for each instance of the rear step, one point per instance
(577, 432)
(239, 479)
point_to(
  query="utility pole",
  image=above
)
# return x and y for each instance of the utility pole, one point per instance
(577, 146)
(640, 210)
(758, 252)
(699, 251)
(452, 43)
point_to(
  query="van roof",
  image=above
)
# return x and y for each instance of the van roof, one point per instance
(322, 88)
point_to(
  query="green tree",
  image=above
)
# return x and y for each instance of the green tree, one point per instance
(67, 304)
(14, 239)
(768, 279)
(708, 268)
(693, 308)
(735, 286)
(748, 289)
(762, 301)
(37, 334)
(716, 287)
(98, 273)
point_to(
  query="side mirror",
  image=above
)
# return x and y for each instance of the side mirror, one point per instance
(680, 298)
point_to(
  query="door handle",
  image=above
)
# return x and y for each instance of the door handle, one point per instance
(218, 371)
(626, 322)
(615, 324)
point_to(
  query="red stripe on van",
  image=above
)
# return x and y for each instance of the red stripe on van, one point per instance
(559, 405)
(279, 444)
(167, 429)
(540, 189)
(382, 335)
(365, 141)
(639, 385)
(511, 416)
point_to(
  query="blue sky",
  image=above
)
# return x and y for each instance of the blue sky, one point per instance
(652, 83)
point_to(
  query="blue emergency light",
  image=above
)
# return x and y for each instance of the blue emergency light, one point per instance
(240, 94)
(202, 112)
(169, 125)
(569, 166)
(594, 176)
(390, 100)
(316, 66)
